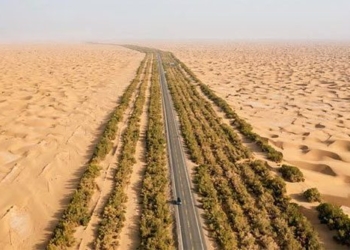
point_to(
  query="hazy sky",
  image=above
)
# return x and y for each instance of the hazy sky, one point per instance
(81, 20)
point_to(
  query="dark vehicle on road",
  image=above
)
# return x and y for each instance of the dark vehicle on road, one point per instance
(178, 201)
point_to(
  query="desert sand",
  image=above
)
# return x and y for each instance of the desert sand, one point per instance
(54, 100)
(295, 95)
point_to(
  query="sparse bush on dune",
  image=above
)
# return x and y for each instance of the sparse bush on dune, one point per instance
(312, 194)
(291, 173)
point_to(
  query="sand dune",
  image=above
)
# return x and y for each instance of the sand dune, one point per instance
(54, 100)
(319, 168)
(319, 155)
(340, 145)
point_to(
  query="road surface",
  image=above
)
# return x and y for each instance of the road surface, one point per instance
(189, 230)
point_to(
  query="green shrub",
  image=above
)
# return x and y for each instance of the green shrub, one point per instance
(291, 173)
(337, 220)
(302, 228)
(312, 194)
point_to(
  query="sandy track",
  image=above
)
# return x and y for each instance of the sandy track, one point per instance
(54, 102)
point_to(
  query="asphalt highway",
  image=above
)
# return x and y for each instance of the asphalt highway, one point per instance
(189, 230)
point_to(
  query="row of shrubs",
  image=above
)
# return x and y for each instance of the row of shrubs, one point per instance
(219, 225)
(245, 207)
(197, 142)
(329, 214)
(244, 127)
(336, 220)
(113, 215)
(156, 219)
(78, 213)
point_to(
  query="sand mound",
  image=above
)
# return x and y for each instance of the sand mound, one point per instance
(284, 145)
(337, 200)
(320, 168)
(278, 144)
(319, 155)
(341, 145)
(304, 148)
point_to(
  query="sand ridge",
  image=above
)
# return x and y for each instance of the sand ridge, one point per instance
(54, 100)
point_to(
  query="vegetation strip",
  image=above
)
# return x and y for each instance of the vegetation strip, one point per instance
(77, 213)
(113, 213)
(329, 214)
(245, 206)
(156, 219)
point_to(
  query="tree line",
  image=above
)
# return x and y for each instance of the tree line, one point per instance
(156, 218)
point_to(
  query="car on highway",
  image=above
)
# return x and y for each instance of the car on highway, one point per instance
(178, 201)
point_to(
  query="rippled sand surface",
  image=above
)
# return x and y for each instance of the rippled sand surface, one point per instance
(54, 100)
